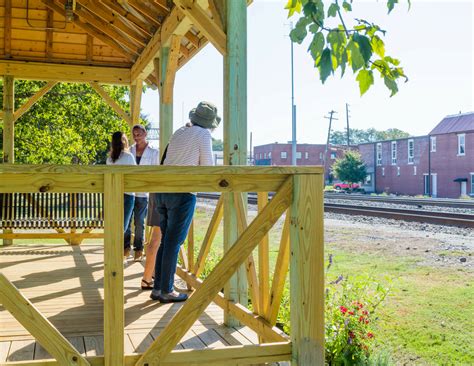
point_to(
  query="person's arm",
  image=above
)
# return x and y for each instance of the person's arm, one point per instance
(205, 150)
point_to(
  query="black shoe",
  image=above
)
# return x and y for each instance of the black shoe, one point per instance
(167, 298)
(155, 295)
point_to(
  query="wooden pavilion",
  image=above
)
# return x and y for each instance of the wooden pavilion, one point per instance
(131, 42)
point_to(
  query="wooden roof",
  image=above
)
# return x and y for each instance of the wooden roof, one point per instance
(112, 41)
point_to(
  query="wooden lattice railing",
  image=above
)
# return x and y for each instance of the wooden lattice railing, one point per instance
(298, 193)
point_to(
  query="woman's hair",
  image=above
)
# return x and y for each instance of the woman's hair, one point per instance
(117, 145)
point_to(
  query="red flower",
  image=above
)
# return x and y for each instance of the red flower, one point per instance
(366, 321)
(365, 312)
(351, 313)
(343, 309)
(351, 335)
(370, 335)
(361, 319)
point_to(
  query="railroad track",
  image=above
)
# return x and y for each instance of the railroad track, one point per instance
(431, 217)
(420, 202)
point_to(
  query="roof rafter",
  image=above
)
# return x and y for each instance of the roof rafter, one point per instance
(152, 13)
(206, 25)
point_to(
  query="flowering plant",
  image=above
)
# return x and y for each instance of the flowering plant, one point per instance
(350, 317)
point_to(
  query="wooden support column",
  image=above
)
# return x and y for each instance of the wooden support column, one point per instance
(135, 103)
(8, 129)
(114, 318)
(165, 69)
(307, 271)
(235, 131)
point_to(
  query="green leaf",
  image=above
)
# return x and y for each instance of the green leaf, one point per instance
(332, 11)
(355, 58)
(391, 5)
(317, 45)
(391, 84)
(378, 46)
(365, 79)
(293, 6)
(325, 65)
(314, 28)
(391, 60)
(364, 46)
(299, 32)
(347, 6)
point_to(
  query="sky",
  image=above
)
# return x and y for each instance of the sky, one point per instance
(433, 39)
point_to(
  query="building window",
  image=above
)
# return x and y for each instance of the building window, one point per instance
(461, 144)
(320, 156)
(379, 154)
(306, 155)
(398, 171)
(368, 179)
(433, 143)
(298, 155)
(414, 170)
(283, 155)
(394, 152)
(333, 155)
(411, 151)
(426, 181)
(383, 172)
(264, 155)
(269, 155)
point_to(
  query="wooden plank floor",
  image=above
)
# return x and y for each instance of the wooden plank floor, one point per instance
(66, 285)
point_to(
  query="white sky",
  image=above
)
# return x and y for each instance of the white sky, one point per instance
(433, 40)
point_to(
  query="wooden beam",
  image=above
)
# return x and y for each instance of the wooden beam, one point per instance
(254, 321)
(307, 271)
(8, 119)
(112, 103)
(26, 107)
(89, 48)
(8, 28)
(114, 20)
(197, 303)
(114, 316)
(146, 27)
(62, 235)
(192, 38)
(171, 67)
(250, 263)
(39, 326)
(49, 34)
(263, 259)
(144, 66)
(65, 73)
(209, 237)
(132, 45)
(218, 11)
(206, 25)
(154, 14)
(135, 101)
(279, 275)
(97, 33)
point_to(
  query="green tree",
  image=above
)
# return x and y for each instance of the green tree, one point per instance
(350, 168)
(70, 124)
(360, 136)
(340, 44)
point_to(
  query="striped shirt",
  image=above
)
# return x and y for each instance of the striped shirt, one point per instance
(190, 146)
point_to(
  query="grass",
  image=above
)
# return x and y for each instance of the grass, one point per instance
(427, 318)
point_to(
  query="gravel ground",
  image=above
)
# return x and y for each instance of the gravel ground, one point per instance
(435, 245)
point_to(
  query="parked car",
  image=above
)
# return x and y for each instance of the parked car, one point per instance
(346, 186)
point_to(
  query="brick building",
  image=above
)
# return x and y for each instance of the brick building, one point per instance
(306, 154)
(440, 164)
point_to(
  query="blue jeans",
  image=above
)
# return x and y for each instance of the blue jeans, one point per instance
(176, 212)
(128, 202)
(140, 209)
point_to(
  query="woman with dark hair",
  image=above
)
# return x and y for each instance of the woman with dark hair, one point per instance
(119, 155)
(190, 145)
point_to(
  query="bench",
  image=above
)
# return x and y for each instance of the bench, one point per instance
(72, 216)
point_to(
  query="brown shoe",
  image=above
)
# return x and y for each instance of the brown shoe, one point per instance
(138, 256)
(126, 253)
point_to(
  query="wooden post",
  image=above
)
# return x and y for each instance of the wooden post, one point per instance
(8, 129)
(135, 102)
(307, 271)
(235, 131)
(114, 318)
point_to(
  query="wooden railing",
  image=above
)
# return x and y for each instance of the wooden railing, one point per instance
(298, 193)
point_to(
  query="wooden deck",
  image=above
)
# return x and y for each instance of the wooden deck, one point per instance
(65, 283)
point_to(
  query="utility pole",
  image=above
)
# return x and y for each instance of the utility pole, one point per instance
(251, 153)
(330, 118)
(348, 130)
(293, 110)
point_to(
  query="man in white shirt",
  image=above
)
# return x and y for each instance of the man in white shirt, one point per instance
(144, 154)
